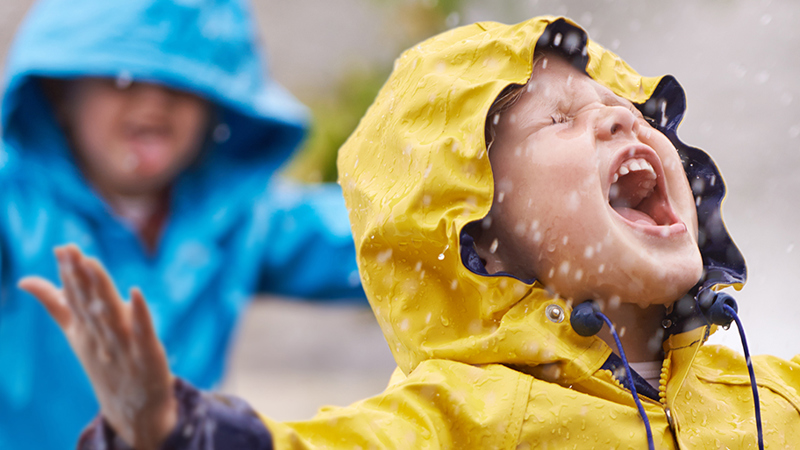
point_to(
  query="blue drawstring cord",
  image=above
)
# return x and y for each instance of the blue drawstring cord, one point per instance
(650, 444)
(753, 385)
(722, 311)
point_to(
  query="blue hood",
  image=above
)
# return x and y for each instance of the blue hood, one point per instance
(207, 47)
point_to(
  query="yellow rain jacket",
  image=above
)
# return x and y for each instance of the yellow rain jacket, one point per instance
(491, 362)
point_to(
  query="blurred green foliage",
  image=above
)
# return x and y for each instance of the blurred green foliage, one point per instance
(336, 116)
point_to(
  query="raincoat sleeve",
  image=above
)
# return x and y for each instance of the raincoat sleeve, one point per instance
(204, 421)
(442, 404)
(309, 251)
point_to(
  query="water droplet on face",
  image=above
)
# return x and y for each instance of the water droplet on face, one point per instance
(519, 229)
(493, 247)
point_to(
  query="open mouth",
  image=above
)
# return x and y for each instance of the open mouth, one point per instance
(638, 192)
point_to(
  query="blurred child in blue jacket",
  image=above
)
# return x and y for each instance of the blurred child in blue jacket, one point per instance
(148, 133)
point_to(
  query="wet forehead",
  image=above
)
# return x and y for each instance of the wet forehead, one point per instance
(556, 85)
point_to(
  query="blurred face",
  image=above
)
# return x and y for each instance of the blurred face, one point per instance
(133, 140)
(589, 199)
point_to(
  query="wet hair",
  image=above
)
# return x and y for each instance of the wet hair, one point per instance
(507, 98)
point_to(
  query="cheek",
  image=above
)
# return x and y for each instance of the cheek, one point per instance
(94, 126)
(191, 120)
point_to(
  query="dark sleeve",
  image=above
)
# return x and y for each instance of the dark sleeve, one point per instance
(205, 420)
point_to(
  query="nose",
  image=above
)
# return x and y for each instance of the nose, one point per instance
(615, 120)
(149, 94)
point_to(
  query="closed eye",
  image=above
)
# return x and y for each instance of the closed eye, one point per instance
(558, 118)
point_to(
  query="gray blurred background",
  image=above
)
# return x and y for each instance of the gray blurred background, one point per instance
(739, 61)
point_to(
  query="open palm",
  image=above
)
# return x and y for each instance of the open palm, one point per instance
(116, 344)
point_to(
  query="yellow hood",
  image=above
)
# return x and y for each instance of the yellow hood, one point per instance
(415, 172)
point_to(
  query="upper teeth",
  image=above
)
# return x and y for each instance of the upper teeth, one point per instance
(633, 165)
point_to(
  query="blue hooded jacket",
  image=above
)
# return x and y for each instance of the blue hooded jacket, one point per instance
(233, 228)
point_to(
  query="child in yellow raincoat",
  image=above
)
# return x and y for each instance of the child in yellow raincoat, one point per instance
(543, 254)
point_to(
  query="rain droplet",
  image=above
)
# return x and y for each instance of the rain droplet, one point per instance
(124, 80)
(790, 248)
(739, 70)
(222, 133)
(493, 247)
(452, 20)
(766, 19)
(384, 256)
(762, 77)
(794, 131)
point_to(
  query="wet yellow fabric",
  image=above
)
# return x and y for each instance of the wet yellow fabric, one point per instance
(413, 174)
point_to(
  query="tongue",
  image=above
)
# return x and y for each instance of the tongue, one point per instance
(634, 215)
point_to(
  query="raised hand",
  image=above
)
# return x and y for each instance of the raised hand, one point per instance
(116, 344)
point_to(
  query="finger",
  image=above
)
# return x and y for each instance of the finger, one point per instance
(142, 321)
(50, 297)
(104, 311)
(76, 299)
(145, 333)
(103, 290)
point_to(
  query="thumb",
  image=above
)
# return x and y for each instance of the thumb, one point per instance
(49, 296)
